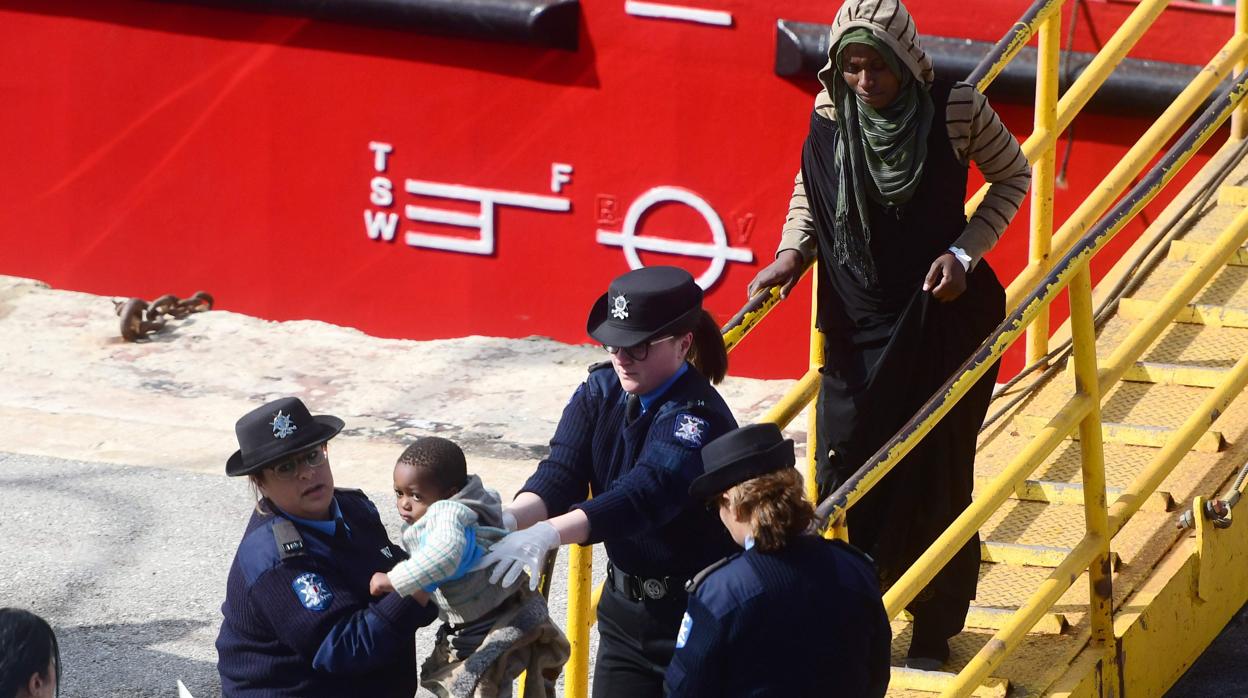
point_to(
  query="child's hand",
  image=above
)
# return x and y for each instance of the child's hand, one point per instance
(380, 584)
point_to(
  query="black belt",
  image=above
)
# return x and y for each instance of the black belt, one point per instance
(642, 588)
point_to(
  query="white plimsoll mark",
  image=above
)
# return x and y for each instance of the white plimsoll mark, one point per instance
(483, 221)
(718, 251)
(688, 14)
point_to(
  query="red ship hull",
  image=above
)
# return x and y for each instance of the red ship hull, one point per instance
(427, 187)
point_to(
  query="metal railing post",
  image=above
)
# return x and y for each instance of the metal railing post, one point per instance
(576, 671)
(816, 360)
(1095, 506)
(1239, 120)
(1042, 171)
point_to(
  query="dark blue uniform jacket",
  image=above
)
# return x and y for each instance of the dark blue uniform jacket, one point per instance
(639, 473)
(302, 623)
(806, 620)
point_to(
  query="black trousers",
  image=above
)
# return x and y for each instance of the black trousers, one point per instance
(636, 640)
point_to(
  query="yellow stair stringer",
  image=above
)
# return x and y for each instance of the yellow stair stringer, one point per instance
(1173, 617)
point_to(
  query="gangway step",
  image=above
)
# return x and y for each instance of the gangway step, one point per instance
(1131, 434)
(992, 618)
(1195, 313)
(1175, 374)
(1161, 373)
(1051, 492)
(1231, 195)
(1030, 555)
(905, 679)
(1184, 251)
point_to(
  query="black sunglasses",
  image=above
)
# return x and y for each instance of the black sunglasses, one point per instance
(637, 352)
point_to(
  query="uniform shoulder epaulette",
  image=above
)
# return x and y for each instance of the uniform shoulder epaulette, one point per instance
(692, 585)
(856, 551)
(289, 542)
(601, 364)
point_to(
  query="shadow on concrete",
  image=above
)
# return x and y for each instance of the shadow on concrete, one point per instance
(121, 660)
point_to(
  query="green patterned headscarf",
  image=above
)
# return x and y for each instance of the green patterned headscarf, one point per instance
(880, 153)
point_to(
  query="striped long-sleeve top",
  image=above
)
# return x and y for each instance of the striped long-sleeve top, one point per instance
(975, 133)
(439, 544)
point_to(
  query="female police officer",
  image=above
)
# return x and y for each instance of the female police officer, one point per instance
(794, 615)
(299, 620)
(631, 436)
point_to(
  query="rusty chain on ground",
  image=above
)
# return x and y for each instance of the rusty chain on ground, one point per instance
(140, 318)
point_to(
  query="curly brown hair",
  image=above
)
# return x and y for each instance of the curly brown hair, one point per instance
(775, 506)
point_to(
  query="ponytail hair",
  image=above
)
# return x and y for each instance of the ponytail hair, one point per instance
(27, 647)
(707, 353)
(775, 506)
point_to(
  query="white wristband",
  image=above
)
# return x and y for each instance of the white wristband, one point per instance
(962, 257)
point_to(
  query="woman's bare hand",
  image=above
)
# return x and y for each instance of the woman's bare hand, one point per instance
(785, 272)
(946, 279)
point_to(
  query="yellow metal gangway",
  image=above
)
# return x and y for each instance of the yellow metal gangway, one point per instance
(1086, 586)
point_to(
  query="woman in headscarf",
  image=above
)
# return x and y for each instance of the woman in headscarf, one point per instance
(904, 294)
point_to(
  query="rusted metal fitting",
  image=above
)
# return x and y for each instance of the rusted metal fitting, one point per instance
(1217, 511)
(140, 319)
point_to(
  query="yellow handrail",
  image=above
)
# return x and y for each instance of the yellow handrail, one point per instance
(1135, 160)
(941, 551)
(1095, 543)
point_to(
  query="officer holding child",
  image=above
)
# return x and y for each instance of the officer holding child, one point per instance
(298, 616)
(631, 436)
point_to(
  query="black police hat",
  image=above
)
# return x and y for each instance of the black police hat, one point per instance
(276, 430)
(740, 455)
(644, 304)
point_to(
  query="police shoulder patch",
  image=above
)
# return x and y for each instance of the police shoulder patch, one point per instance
(312, 591)
(690, 429)
(686, 627)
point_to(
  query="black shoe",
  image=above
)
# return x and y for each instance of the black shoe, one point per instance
(927, 656)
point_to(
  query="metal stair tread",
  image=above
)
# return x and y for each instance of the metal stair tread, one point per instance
(1227, 287)
(933, 681)
(994, 618)
(1133, 433)
(1214, 221)
(1193, 313)
(1039, 659)
(1064, 492)
(1035, 523)
(1182, 343)
(1122, 461)
(1191, 251)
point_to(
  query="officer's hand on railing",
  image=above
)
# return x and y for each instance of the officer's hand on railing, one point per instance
(946, 278)
(785, 272)
(527, 548)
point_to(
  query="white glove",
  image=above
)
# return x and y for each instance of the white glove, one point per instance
(527, 548)
(509, 521)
